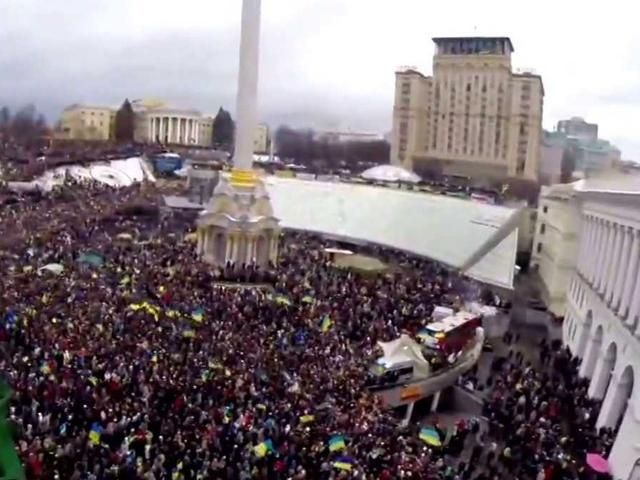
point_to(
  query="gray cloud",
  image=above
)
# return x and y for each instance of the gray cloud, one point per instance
(324, 62)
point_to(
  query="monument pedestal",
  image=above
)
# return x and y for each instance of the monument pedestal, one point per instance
(238, 225)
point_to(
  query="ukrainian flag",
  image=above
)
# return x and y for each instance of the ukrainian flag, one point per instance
(189, 333)
(307, 419)
(263, 448)
(336, 443)
(423, 334)
(197, 315)
(95, 433)
(282, 300)
(325, 324)
(430, 436)
(343, 463)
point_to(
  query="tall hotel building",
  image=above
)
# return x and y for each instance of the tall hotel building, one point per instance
(474, 117)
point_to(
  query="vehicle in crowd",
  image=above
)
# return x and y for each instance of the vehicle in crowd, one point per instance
(401, 362)
(439, 346)
(443, 341)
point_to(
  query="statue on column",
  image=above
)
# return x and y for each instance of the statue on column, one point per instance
(238, 228)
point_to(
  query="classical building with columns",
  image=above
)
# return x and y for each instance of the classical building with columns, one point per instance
(173, 127)
(602, 318)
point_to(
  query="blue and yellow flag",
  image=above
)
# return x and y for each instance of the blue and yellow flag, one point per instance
(95, 433)
(430, 436)
(197, 314)
(336, 443)
(263, 448)
(343, 463)
(325, 324)
(304, 419)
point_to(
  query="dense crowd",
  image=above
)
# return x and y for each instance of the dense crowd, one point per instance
(130, 361)
(541, 420)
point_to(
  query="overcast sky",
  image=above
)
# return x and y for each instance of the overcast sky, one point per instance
(325, 63)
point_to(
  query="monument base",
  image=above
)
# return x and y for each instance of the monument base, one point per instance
(238, 227)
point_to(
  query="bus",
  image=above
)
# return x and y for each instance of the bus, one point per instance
(446, 339)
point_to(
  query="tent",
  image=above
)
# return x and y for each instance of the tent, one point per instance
(390, 173)
(404, 350)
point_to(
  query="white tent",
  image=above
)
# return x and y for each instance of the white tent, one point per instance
(390, 173)
(404, 350)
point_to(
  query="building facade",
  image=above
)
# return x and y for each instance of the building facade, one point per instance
(553, 257)
(578, 142)
(577, 127)
(552, 151)
(337, 136)
(170, 126)
(86, 122)
(602, 323)
(473, 117)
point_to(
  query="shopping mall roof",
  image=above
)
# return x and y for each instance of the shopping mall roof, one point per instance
(477, 238)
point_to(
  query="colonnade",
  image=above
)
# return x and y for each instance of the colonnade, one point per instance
(609, 261)
(174, 129)
(220, 247)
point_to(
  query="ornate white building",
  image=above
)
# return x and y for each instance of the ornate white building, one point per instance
(602, 324)
(238, 225)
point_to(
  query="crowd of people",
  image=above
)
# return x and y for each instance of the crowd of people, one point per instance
(541, 420)
(130, 359)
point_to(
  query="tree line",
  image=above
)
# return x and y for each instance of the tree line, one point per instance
(25, 125)
(300, 146)
(304, 147)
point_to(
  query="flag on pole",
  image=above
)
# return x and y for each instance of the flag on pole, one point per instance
(343, 463)
(336, 443)
(304, 419)
(95, 433)
(263, 448)
(197, 314)
(430, 436)
(325, 324)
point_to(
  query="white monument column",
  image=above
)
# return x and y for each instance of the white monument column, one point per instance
(241, 202)
(246, 106)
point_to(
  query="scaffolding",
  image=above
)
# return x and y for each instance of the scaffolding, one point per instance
(10, 467)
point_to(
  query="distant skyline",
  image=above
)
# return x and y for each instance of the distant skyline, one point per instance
(325, 63)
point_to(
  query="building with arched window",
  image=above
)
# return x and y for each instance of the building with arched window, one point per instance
(602, 321)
